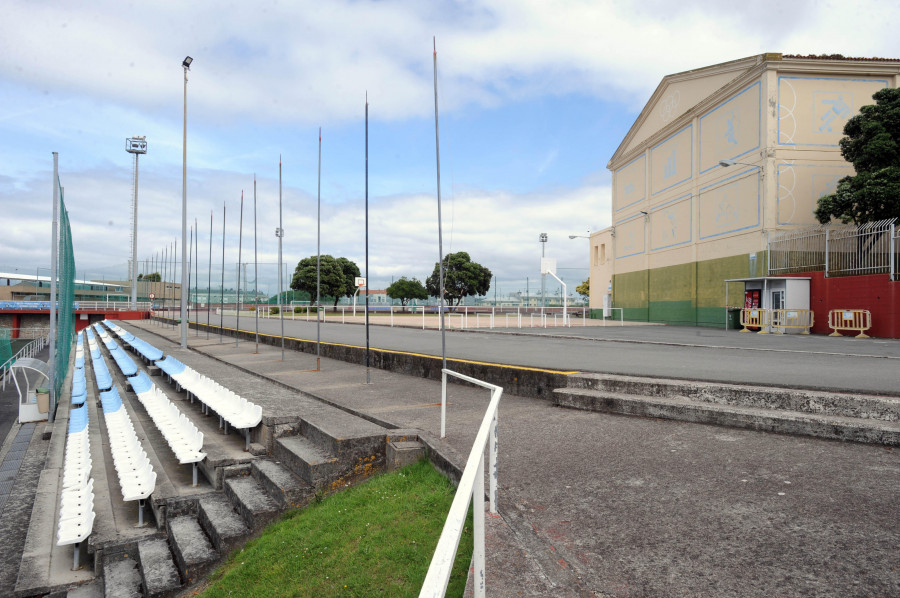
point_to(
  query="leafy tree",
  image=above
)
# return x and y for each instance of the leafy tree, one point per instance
(406, 289)
(336, 277)
(584, 289)
(155, 277)
(462, 277)
(872, 145)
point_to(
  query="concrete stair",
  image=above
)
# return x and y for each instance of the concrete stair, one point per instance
(248, 496)
(837, 416)
(225, 528)
(312, 464)
(288, 490)
(194, 554)
(159, 575)
(121, 577)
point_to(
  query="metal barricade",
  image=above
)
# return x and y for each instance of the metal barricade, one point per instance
(792, 318)
(850, 319)
(756, 317)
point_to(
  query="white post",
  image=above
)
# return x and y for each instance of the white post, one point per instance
(478, 528)
(423, 317)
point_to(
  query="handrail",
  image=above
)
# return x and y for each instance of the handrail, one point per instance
(471, 485)
(29, 350)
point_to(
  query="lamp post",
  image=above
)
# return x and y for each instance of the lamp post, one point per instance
(135, 145)
(186, 63)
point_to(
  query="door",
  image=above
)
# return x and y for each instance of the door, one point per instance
(777, 304)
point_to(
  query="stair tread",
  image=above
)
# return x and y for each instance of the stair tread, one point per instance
(728, 407)
(306, 450)
(252, 495)
(122, 579)
(280, 476)
(157, 567)
(190, 541)
(220, 513)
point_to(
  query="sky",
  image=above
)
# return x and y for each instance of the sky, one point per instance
(534, 96)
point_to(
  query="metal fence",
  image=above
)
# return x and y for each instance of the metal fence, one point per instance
(870, 248)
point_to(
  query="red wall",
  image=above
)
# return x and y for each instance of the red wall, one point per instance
(874, 292)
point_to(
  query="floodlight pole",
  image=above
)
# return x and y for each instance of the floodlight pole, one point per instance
(543, 239)
(368, 378)
(134, 238)
(280, 234)
(319, 257)
(186, 63)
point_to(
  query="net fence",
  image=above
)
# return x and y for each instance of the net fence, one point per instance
(65, 324)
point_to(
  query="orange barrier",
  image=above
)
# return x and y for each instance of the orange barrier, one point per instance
(792, 318)
(850, 319)
(755, 317)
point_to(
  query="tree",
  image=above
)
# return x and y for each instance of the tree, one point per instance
(462, 277)
(336, 277)
(872, 145)
(584, 289)
(155, 277)
(406, 289)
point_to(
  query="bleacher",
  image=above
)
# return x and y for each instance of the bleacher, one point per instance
(76, 507)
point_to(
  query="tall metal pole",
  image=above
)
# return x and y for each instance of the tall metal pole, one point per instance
(222, 299)
(368, 378)
(237, 327)
(184, 257)
(319, 257)
(134, 238)
(190, 250)
(437, 146)
(54, 265)
(175, 275)
(280, 233)
(255, 268)
(163, 277)
(196, 275)
(209, 277)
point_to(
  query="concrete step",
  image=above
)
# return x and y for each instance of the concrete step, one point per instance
(158, 572)
(256, 507)
(289, 491)
(882, 408)
(193, 551)
(347, 437)
(121, 578)
(769, 420)
(93, 589)
(225, 528)
(313, 465)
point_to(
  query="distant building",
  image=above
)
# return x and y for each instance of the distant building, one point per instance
(682, 223)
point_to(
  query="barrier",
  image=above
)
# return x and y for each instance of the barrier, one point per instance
(792, 318)
(850, 319)
(755, 317)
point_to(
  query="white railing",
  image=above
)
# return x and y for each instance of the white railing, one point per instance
(470, 490)
(112, 305)
(29, 350)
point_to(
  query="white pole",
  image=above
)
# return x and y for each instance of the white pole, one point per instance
(54, 265)
(186, 65)
(478, 529)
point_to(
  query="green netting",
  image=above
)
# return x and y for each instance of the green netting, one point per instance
(65, 292)
(5, 349)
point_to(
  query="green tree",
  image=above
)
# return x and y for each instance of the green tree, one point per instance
(336, 277)
(462, 278)
(405, 289)
(584, 289)
(155, 277)
(872, 145)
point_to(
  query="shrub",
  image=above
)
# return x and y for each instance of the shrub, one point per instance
(273, 310)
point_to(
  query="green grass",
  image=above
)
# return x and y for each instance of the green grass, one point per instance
(376, 539)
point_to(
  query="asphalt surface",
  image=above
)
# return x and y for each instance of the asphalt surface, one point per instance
(803, 361)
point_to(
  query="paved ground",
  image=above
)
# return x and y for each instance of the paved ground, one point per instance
(814, 361)
(602, 505)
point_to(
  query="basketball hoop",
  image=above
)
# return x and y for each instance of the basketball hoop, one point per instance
(359, 281)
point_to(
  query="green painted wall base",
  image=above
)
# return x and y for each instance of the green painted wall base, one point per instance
(690, 294)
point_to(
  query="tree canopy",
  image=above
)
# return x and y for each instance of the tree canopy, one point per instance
(872, 145)
(337, 277)
(405, 289)
(584, 289)
(462, 278)
(155, 277)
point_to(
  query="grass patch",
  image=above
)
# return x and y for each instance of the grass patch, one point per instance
(376, 539)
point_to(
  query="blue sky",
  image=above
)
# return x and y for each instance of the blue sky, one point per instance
(535, 96)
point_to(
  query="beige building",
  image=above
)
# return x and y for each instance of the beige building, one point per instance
(718, 159)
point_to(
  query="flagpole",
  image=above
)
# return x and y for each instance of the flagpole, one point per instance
(368, 378)
(437, 146)
(319, 257)
(255, 268)
(237, 327)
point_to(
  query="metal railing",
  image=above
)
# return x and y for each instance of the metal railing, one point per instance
(29, 350)
(871, 248)
(470, 489)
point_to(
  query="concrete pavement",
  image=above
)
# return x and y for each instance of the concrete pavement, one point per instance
(606, 505)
